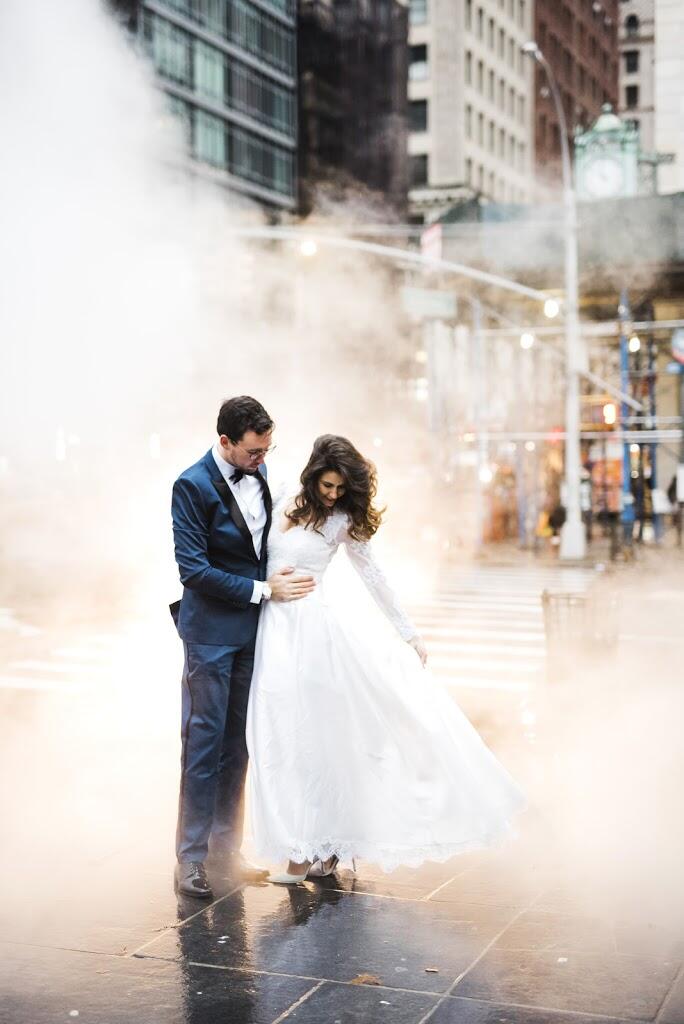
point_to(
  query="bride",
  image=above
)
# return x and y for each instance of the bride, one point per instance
(355, 750)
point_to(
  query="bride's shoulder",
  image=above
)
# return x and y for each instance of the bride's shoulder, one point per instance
(335, 527)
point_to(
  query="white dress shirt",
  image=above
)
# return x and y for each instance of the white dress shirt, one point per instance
(250, 498)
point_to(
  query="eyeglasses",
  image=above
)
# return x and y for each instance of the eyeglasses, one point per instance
(256, 453)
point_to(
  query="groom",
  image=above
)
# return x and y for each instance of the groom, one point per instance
(221, 510)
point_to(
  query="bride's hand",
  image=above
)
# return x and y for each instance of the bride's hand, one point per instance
(419, 647)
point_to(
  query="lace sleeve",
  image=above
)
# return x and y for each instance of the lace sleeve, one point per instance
(363, 559)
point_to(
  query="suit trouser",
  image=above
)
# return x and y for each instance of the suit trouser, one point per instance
(215, 694)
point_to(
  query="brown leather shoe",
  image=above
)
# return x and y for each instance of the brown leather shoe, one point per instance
(239, 867)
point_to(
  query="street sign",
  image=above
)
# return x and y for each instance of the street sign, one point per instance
(674, 368)
(431, 242)
(428, 303)
(678, 344)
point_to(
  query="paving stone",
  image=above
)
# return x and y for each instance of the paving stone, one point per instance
(467, 1011)
(673, 1008)
(42, 986)
(492, 885)
(335, 936)
(361, 1004)
(373, 886)
(545, 931)
(101, 910)
(610, 984)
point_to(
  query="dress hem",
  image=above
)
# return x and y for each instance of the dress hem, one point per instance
(386, 857)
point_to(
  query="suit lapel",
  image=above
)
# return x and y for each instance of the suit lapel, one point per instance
(268, 505)
(228, 498)
(224, 492)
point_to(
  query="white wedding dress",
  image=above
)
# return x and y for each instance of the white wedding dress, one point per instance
(355, 749)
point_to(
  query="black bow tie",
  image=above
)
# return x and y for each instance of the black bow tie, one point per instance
(237, 476)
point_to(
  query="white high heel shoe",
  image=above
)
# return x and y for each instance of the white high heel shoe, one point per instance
(286, 878)
(319, 870)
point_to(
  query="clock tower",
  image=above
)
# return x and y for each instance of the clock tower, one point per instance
(607, 158)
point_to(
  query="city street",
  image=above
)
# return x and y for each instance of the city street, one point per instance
(537, 931)
(390, 278)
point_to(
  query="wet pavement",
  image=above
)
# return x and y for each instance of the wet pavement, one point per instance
(487, 938)
(90, 930)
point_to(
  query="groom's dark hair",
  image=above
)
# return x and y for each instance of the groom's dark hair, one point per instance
(238, 415)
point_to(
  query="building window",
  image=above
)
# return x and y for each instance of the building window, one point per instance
(418, 115)
(418, 63)
(492, 136)
(480, 23)
(502, 43)
(469, 171)
(480, 76)
(210, 139)
(502, 144)
(246, 26)
(480, 129)
(170, 48)
(418, 170)
(521, 13)
(521, 109)
(418, 12)
(631, 61)
(490, 34)
(469, 121)
(502, 93)
(209, 66)
(634, 123)
(632, 96)
(491, 88)
(469, 15)
(632, 24)
(230, 148)
(469, 68)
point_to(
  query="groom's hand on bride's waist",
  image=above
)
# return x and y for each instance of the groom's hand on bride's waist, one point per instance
(286, 586)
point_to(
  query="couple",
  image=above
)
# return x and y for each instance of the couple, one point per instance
(355, 750)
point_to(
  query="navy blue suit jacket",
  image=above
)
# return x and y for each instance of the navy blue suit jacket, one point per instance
(216, 558)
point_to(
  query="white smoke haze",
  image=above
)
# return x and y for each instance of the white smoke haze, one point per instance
(129, 310)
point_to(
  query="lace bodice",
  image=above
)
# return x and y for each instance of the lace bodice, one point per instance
(312, 551)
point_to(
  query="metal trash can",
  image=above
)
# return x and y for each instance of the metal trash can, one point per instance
(578, 627)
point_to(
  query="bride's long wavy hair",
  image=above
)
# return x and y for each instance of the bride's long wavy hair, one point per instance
(337, 454)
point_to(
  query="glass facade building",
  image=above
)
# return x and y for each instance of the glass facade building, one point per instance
(229, 69)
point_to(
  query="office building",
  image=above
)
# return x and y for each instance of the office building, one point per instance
(470, 103)
(228, 68)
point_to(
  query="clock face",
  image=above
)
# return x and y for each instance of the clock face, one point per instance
(604, 177)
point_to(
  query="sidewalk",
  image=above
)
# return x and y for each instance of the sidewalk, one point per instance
(578, 921)
(491, 938)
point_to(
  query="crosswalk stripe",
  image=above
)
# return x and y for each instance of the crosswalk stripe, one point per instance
(11, 682)
(457, 627)
(484, 627)
(58, 668)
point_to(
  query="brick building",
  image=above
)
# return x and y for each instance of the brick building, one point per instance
(580, 41)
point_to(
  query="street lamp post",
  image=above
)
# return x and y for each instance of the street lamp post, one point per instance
(573, 538)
